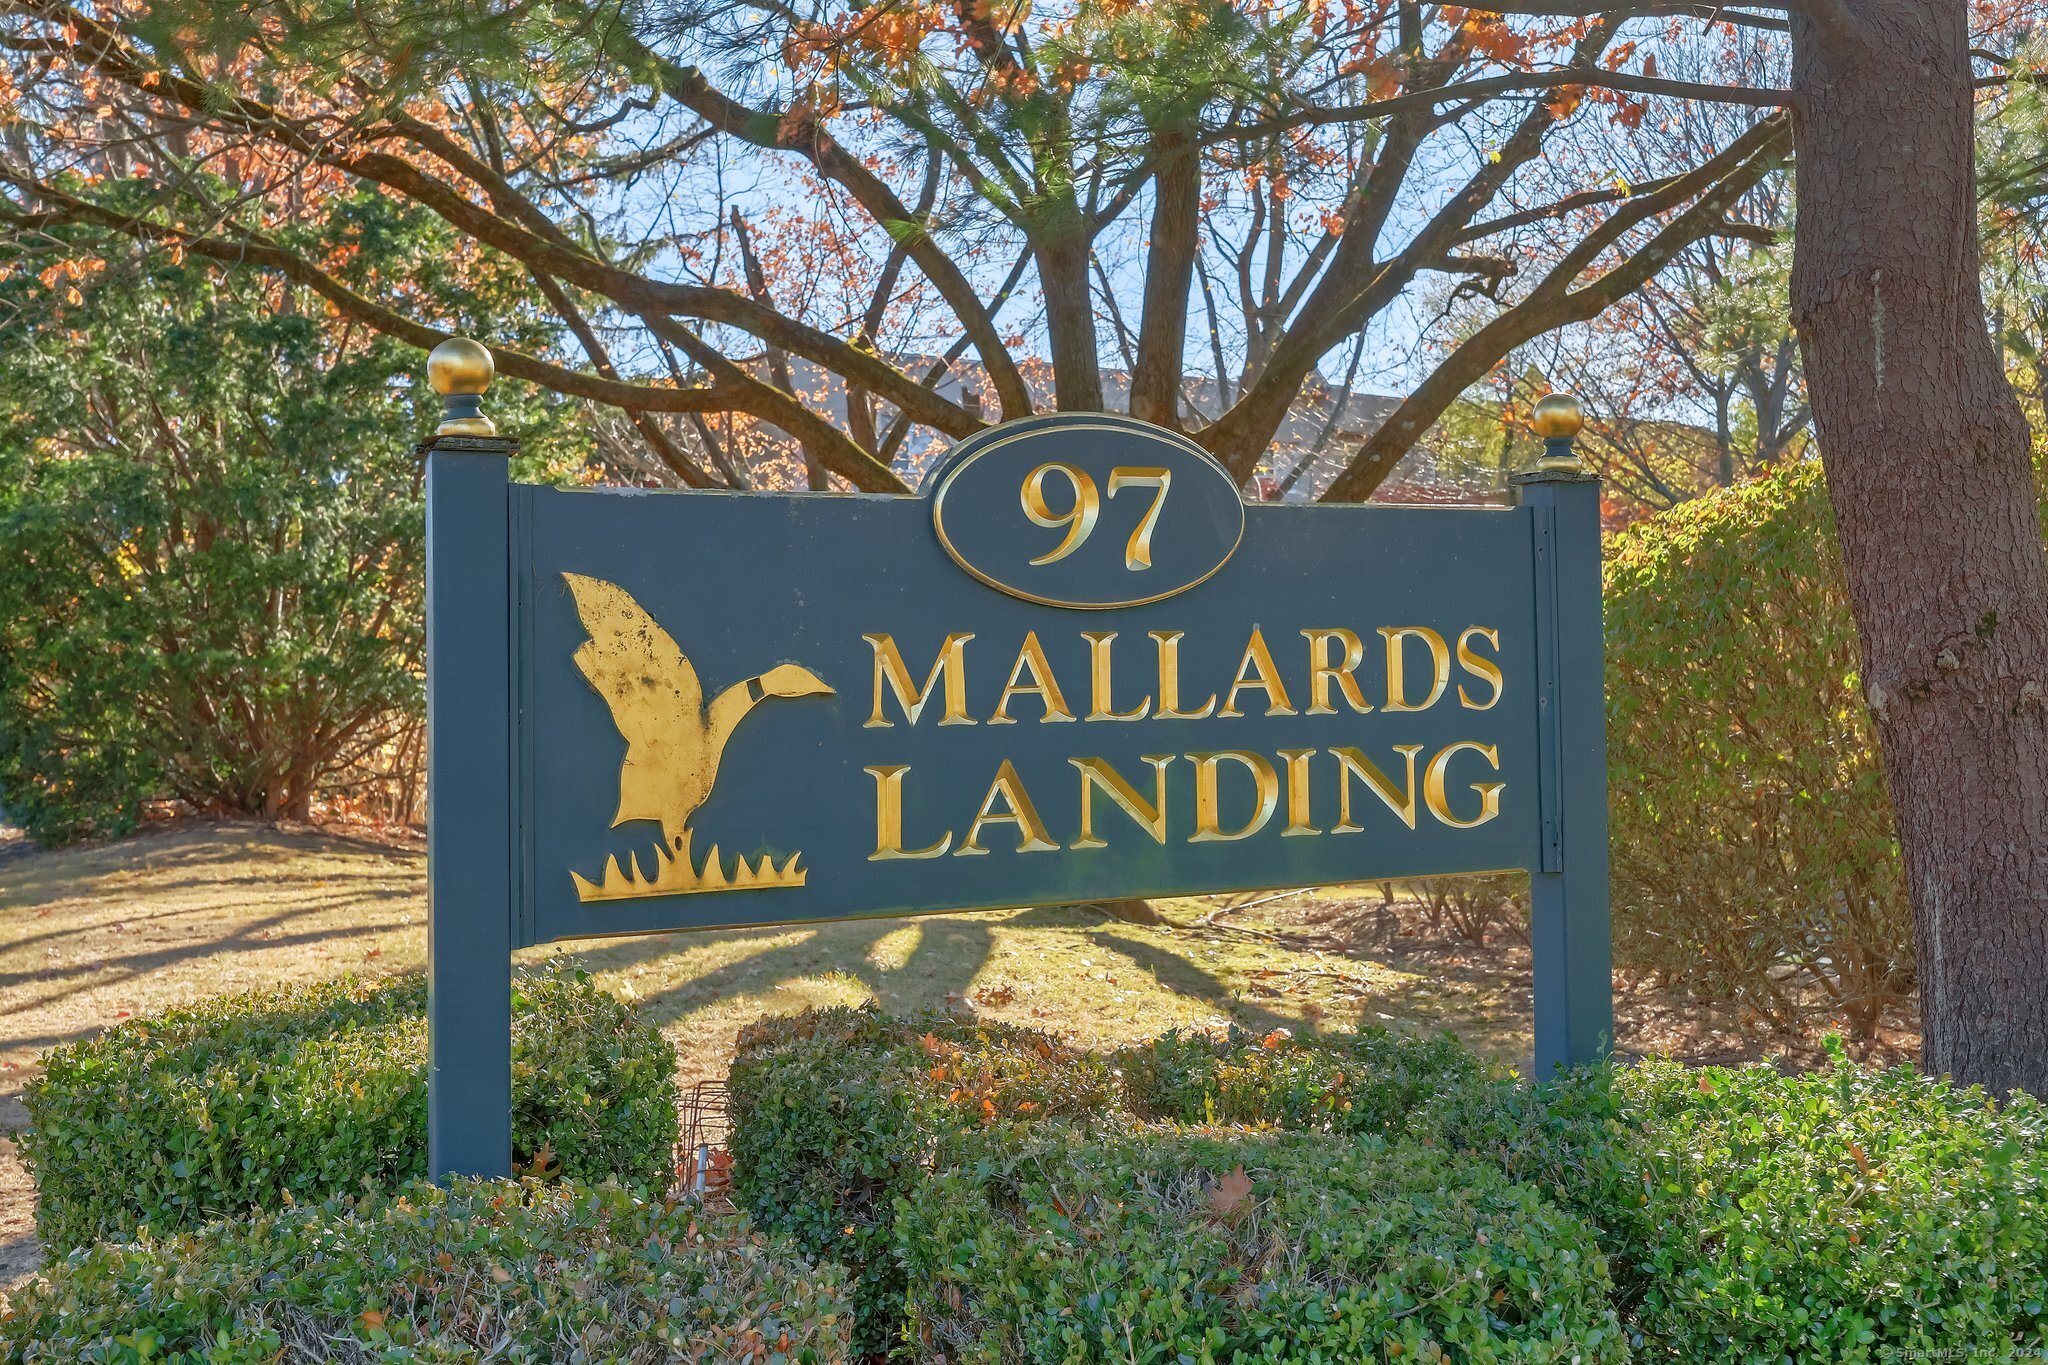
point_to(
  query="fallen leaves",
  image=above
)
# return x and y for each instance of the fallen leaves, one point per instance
(544, 1163)
(1227, 1200)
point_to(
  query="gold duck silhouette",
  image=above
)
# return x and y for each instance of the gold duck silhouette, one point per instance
(674, 740)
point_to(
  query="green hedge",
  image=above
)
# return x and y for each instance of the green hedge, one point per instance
(1191, 1245)
(519, 1273)
(1370, 1082)
(1846, 1215)
(249, 1100)
(1752, 834)
(1749, 1216)
(837, 1114)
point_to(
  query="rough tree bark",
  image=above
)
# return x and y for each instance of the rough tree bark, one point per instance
(1070, 321)
(1169, 274)
(1928, 468)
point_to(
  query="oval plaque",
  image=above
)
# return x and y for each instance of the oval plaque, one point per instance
(1086, 510)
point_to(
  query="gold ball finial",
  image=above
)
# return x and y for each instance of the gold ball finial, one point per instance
(1557, 417)
(460, 366)
(461, 371)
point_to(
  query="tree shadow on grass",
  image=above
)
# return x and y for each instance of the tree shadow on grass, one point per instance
(379, 888)
(950, 952)
(1055, 917)
(247, 937)
(112, 974)
(35, 878)
(197, 946)
(1175, 973)
(61, 931)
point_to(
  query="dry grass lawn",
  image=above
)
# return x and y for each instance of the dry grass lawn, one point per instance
(91, 936)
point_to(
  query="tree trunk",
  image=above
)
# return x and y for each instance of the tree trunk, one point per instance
(1070, 323)
(1724, 438)
(1169, 275)
(1927, 464)
(1131, 911)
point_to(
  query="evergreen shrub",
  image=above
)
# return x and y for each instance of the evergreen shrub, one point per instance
(1753, 850)
(1217, 1245)
(1846, 1215)
(529, 1274)
(1000, 1201)
(1369, 1082)
(838, 1114)
(294, 1095)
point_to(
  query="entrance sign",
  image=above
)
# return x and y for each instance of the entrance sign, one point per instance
(1076, 667)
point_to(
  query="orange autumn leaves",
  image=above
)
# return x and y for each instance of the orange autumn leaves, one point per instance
(928, 42)
(977, 1087)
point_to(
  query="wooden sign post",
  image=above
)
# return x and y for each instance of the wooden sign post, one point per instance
(1077, 667)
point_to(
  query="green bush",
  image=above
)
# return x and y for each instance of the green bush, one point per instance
(1752, 836)
(1218, 1246)
(1843, 1216)
(1747, 1216)
(210, 519)
(253, 1100)
(838, 1114)
(519, 1273)
(1369, 1082)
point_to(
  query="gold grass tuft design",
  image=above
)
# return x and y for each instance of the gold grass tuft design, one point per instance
(674, 875)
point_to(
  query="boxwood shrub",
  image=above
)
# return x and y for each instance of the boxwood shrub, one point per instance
(249, 1100)
(837, 1114)
(1845, 1215)
(490, 1270)
(1369, 1082)
(1208, 1245)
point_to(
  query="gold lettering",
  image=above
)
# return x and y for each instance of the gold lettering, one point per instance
(1096, 774)
(1169, 679)
(1138, 553)
(1397, 675)
(1297, 792)
(1031, 833)
(1078, 519)
(889, 818)
(1478, 667)
(1400, 800)
(1208, 827)
(1489, 792)
(951, 665)
(1101, 706)
(1257, 656)
(1042, 686)
(1322, 672)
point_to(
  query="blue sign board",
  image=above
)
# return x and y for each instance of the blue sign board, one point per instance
(1076, 667)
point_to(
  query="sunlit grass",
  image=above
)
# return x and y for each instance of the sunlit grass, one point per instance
(91, 936)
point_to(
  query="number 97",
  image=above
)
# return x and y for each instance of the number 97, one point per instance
(1085, 508)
